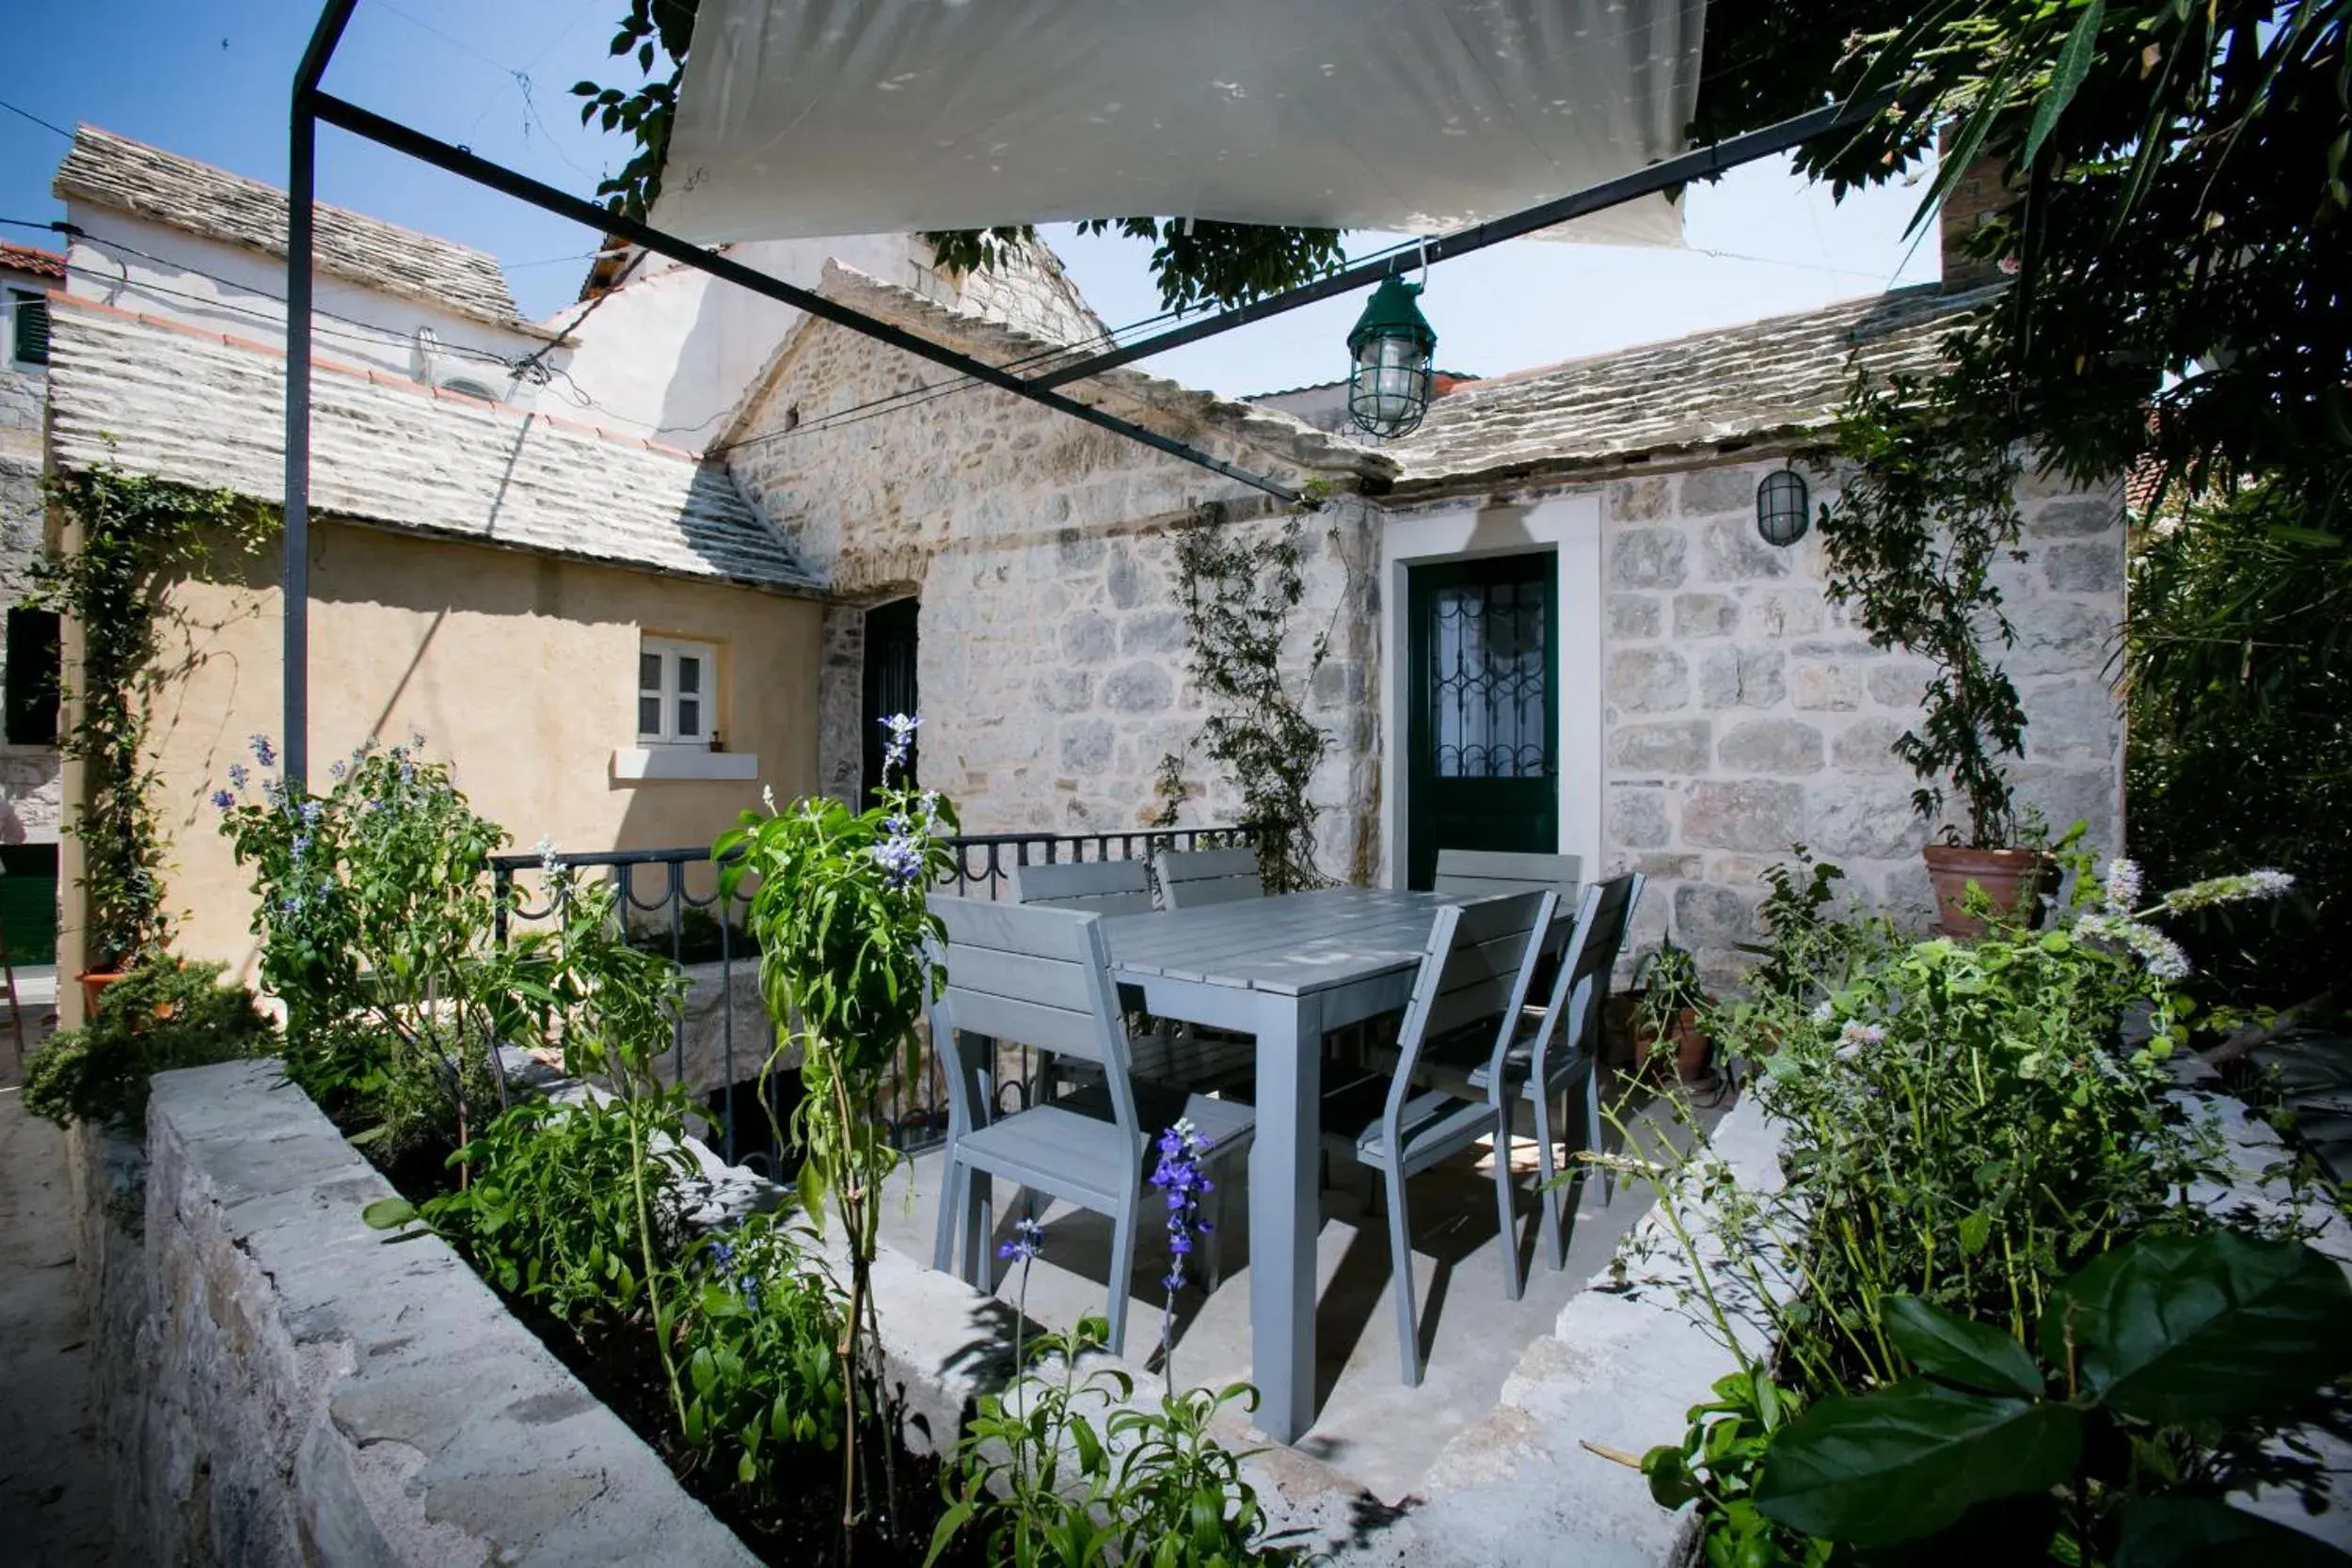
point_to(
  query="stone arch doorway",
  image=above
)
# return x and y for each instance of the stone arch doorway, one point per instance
(889, 686)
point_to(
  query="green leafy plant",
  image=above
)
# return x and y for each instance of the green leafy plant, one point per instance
(162, 1014)
(1929, 511)
(548, 1213)
(1667, 977)
(847, 944)
(2147, 1352)
(129, 538)
(1961, 1126)
(1238, 591)
(1062, 1469)
(1716, 1465)
(761, 1333)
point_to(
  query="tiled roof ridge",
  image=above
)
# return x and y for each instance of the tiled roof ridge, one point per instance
(1280, 435)
(32, 259)
(376, 377)
(1923, 294)
(100, 167)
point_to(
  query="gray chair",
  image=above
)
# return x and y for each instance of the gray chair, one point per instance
(1171, 1054)
(1102, 887)
(1197, 878)
(1556, 1044)
(1474, 979)
(1477, 873)
(1041, 977)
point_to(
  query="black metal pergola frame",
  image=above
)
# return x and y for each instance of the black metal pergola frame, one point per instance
(313, 105)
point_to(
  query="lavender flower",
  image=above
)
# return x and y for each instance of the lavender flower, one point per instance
(222, 799)
(1180, 1177)
(902, 853)
(1028, 1240)
(2157, 953)
(2228, 889)
(337, 768)
(237, 775)
(262, 752)
(2121, 891)
(901, 727)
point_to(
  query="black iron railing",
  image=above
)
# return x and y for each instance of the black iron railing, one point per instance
(673, 904)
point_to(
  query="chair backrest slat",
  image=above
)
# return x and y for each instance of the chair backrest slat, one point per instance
(1105, 887)
(1487, 871)
(1030, 975)
(1192, 879)
(1571, 1025)
(1476, 970)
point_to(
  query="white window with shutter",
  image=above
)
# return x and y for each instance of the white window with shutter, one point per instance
(677, 692)
(677, 718)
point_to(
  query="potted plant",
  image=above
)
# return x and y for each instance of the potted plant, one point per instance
(1666, 1014)
(1929, 510)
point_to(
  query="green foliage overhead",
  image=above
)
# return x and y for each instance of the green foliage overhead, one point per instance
(2238, 680)
(2181, 233)
(130, 537)
(1194, 263)
(163, 1014)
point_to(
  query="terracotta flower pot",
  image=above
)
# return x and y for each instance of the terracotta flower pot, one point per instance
(1693, 1052)
(94, 984)
(2011, 878)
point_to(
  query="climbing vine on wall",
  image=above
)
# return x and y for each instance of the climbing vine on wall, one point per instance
(1239, 592)
(131, 537)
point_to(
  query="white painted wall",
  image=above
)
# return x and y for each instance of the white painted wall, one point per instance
(137, 265)
(667, 354)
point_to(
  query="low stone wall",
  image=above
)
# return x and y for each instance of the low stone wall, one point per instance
(280, 1385)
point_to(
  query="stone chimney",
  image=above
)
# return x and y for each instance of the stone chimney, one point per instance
(1979, 196)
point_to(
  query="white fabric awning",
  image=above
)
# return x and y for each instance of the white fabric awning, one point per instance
(803, 118)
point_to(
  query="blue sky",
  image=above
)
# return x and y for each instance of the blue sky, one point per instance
(210, 82)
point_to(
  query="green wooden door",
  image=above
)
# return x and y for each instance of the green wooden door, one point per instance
(1484, 709)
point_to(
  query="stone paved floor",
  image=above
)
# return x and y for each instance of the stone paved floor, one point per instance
(1369, 1425)
(53, 1496)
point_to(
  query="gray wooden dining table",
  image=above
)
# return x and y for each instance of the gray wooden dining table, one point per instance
(1288, 970)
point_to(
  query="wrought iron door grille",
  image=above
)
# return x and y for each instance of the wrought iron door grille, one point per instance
(1487, 675)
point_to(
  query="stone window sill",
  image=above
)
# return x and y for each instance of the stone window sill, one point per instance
(679, 764)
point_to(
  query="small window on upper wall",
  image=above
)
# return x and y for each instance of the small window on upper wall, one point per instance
(678, 690)
(28, 327)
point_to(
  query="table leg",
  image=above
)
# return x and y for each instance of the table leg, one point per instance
(1285, 1212)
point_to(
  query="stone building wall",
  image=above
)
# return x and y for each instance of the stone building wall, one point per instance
(1745, 713)
(1052, 662)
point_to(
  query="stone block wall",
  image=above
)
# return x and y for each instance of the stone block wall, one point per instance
(278, 1385)
(1053, 654)
(1744, 712)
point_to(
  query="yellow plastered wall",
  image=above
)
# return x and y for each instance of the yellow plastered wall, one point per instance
(519, 669)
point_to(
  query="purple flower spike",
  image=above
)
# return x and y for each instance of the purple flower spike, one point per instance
(262, 752)
(1180, 1177)
(222, 799)
(1028, 1240)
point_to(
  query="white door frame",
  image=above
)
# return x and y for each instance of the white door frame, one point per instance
(1569, 527)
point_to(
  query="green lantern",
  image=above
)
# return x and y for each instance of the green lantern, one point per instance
(1388, 392)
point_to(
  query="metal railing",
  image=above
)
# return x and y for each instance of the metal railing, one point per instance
(672, 902)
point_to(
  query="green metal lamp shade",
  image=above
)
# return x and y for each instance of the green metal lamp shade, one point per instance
(1392, 344)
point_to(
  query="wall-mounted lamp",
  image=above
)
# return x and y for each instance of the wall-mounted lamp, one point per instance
(1782, 507)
